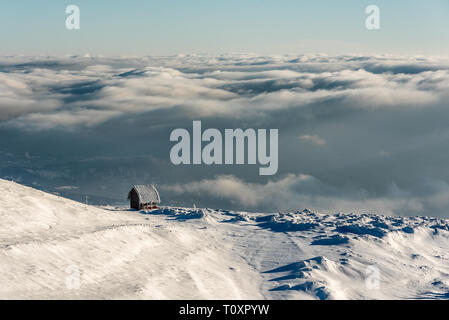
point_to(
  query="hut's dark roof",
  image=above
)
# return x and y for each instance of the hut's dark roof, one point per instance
(147, 193)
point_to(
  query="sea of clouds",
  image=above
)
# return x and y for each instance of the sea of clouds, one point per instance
(356, 133)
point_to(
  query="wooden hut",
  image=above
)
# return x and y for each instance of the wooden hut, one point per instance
(144, 197)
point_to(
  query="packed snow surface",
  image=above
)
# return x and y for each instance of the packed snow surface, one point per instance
(48, 243)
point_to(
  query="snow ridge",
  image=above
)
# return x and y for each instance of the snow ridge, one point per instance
(183, 253)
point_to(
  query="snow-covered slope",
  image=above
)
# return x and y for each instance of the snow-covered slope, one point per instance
(177, 253)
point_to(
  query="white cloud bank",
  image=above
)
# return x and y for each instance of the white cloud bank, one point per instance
(356, 133)
(293, 192)
(78, 91)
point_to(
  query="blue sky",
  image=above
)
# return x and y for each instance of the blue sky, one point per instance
(138, 27)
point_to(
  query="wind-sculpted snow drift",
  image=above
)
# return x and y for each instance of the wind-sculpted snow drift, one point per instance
(178, 253)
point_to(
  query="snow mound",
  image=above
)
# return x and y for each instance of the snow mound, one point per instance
(182, 253)
(344, 224)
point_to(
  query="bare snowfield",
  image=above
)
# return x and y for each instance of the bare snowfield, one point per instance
(181, 253)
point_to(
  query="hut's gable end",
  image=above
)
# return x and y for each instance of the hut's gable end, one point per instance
(141, 195)
(133, 197)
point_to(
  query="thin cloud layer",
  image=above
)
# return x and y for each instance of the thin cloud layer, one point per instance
(312, 138)
(300, 191)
